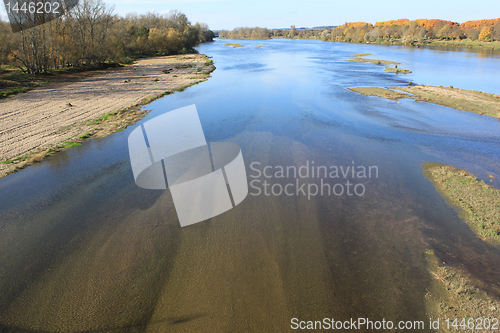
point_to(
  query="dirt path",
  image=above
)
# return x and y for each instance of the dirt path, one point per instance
(46, 117)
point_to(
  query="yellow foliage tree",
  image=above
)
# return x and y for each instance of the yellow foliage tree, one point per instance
(485, 34)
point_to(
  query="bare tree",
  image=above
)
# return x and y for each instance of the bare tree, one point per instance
(91, 21)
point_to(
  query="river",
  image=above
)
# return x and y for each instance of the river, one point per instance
(83, 249)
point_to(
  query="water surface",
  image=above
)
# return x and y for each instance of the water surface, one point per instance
(82, 249)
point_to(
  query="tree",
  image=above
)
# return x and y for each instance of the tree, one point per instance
(486, 34)
(91, 21)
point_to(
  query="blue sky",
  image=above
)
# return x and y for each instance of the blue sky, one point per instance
(228, 14)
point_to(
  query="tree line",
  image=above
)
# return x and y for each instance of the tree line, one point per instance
(91, 34)
(401, 31)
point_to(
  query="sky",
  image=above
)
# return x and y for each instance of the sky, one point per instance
(229, 14)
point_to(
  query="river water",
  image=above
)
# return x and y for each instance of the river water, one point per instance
(83, 249)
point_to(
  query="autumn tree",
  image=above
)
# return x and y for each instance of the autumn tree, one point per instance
(486, 34)
(90, 34)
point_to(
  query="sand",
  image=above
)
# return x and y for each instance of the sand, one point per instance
(460, 99)
(46, 117)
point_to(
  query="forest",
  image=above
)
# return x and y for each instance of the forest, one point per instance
(91, 35)
(402, 31)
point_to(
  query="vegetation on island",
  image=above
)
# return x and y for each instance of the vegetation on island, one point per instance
(397, 70)
(432, 32)
(460, 99)
(478, 202)
(380, 92)
(374, 61)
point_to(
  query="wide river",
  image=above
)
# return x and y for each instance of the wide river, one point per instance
(83, 249)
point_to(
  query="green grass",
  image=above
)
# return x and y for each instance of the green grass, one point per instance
(234, 45)
(85, 136)
(101, 119)
(17, 83)
(70, 144)
(7, 69)
(16, 160)
(361, 54)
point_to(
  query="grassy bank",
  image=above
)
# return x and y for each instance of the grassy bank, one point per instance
(465, 43)
(460, 99)
(455, 294)
(478, 202)
(462, 44)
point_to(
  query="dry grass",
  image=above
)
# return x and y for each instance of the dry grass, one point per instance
(455, 294)
(397, 70)
(466, 100)
(380, 92)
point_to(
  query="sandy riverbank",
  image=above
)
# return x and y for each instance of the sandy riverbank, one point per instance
(43, 121)
(460, 99)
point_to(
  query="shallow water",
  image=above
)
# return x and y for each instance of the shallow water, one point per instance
(83, 249)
